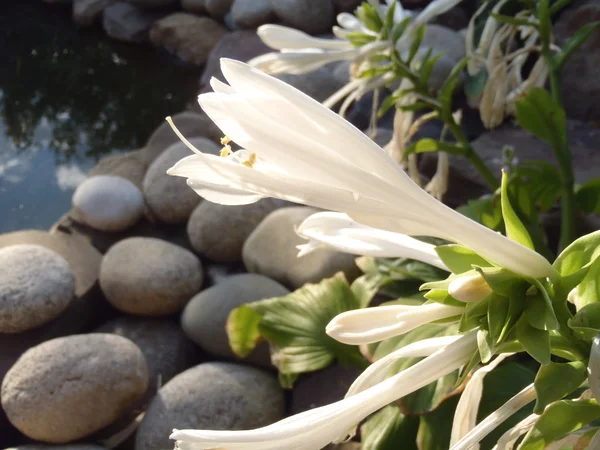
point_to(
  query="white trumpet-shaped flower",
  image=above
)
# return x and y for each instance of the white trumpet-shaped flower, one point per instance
(313, 429)
(368, 325)
(298, 150)
(465, 416)
(339, 232)
(491, 422)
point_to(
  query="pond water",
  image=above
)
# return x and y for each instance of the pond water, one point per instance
(69, 96)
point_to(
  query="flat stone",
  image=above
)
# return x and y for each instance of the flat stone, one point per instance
(189, 37)
(311, 16)
(86, 12)
(108, 203)
(36, 285)
(191, 124)
(125, 22)
(211, 396)
(219, 231)
(252, 13)
(67, 388)
(152, 3)
(218, 8)
(242, 45)
(169, 198)
(204, 318)
(127, 165)
(276, 231)
(149, 277)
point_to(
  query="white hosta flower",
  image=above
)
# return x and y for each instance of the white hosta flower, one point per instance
(313, 429)
(339, 232)
(465, 416)
(469, 288)
(368, 325)
(298, 150)
(491, 422)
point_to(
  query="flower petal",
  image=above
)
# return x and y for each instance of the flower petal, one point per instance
(280, 37)
(365, 326)
(338, 231)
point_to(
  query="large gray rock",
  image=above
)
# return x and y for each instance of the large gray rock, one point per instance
(152, 3)
(169, 198)
(191, 124)
(187, 36)
(312, 16)
(318, 84)
(193, 6)
(125, 22)
(36, 285)
(67, 388)
(219, 231)
(86, 12)
(57, 447)
(252, 13)
(205, 316)
(346, 5)
(108, 203)
(211, 396)
(127, 165)
(166, 349)
(276, 231)
(218, 8)
(149, 277)
(580, 81)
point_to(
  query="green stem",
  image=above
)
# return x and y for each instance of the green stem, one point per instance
(564, 157)
(472, 155)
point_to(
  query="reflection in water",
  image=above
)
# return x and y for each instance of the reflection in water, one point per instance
(67, 97)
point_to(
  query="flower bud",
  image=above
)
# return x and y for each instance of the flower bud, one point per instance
(470, 288)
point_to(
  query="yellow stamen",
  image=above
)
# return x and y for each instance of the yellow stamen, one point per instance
(225, 140)
(251, 160)
(226, 151)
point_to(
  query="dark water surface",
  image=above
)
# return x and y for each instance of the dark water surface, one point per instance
(69, 96)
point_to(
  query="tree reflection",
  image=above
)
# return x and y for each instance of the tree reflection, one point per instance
(96, 95)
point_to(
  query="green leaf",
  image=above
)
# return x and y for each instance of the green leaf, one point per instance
(555, 381)
(514, 20)
(460, 259)
(542, 180)
(427, 67)
(242, 329)
(503, 281)
(358, 39)
(369, 16)
(365, 287)
(579, 254)
(498, 317)
(574, 42)
(588, 196)
(515, 230)
(499, 386)
(485, 210)
(539, 114)
(447, 90)
(436, 427)
(588, 291)
(485, 345)
(558, 420)
(442, 296)
(535, 342)
(295, 326)
(388, 426)
(417, 39)
(586, 323)
(558, 5)
(399, 29)
(539, 314)
(432, 145)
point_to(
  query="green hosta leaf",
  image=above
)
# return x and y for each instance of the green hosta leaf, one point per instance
(579, 254)
(242, 329)
(558, 5)
(388, 426)
(431, 145)
(369, 16)
(365, 287)
(399, 29)
(558, 420)
(447, 90)
(358, 39)
(555, 381)
(542, 181)
(295, 326)
(435, 428)
(574, 42)
(499, 386)
(535, 342)
(498, 317)
(515, 230)
(539, 114)
(427, 66)
(429, 397)
(486, 346)
(514, 20)
(588, 291)
(442, 296)
(588, 196)
(539, 315)
(486, 210)
(460, 259)
(417, 38)
(586, 323)
(503, 281)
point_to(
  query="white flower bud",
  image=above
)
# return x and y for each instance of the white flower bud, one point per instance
(470, 288)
